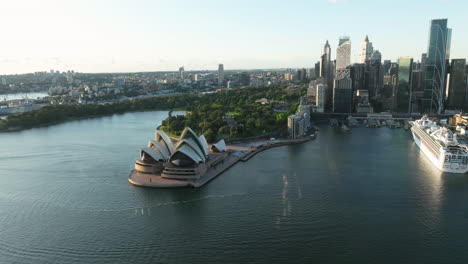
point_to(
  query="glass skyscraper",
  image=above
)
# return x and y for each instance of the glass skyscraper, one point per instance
(436, 66)
(457, 92)
(403, 86)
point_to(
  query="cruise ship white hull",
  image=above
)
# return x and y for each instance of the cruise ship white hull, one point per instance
(436, 161)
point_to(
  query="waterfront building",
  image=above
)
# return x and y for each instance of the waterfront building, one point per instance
(299, 123)
(220, 74)
(320, 97)
(457, 91)
(343, 92)
(436, 66)
(183, 160)
(366, 50)
(402, 97)
(296, 126)
(363, 106)
(343, 53)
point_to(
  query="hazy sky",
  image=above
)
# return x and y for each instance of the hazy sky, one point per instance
(152, 35)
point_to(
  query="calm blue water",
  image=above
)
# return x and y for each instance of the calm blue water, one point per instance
(365, 197)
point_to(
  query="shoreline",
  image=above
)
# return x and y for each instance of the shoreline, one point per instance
(236, 153)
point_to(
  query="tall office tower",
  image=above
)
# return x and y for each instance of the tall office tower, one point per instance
(181, 72)
(457, 85)
(317, 69)
(343, 91)
(301, 74)
(326, 72)
(343, 53)
(220, 73)
(366, 50)
(386, 66)
(376, 57)
(325, 60)
(436, 66)
(402, 96)
(374, 75)
(358, 75)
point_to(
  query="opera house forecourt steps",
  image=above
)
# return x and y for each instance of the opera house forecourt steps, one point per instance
(189, 161)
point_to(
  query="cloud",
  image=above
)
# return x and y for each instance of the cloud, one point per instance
(337, 1)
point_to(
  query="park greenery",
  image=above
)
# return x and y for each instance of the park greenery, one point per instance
(226, 114)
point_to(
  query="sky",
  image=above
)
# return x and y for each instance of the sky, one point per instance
(157, 35)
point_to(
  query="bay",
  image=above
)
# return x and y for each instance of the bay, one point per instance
(369, 196)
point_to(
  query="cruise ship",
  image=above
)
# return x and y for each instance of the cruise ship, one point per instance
(440, 146)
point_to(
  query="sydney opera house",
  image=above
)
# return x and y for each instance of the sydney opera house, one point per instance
(187, 158)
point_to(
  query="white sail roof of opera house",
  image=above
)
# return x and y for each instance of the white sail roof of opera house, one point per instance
(153, 153)
(200, 140)
(189, 147)
(193, 145)
(160, 136)
(219, 147)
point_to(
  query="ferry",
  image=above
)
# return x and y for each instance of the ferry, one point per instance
(440, 145)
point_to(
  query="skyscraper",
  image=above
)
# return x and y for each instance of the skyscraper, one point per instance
(402, 97)
(325, 60)
(181, 72)
(457, 85)
(343, 53)
(326, 72)
(436, 66)
(343, 92)
(366, 50)
(220, 73)
(317, 69)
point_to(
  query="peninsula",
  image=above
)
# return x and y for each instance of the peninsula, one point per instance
(190, 162)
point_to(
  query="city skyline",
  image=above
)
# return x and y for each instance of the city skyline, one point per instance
(160, 36)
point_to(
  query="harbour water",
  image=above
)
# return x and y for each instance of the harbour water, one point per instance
(369, 196)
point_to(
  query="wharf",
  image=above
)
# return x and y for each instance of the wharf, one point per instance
(220, 163)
